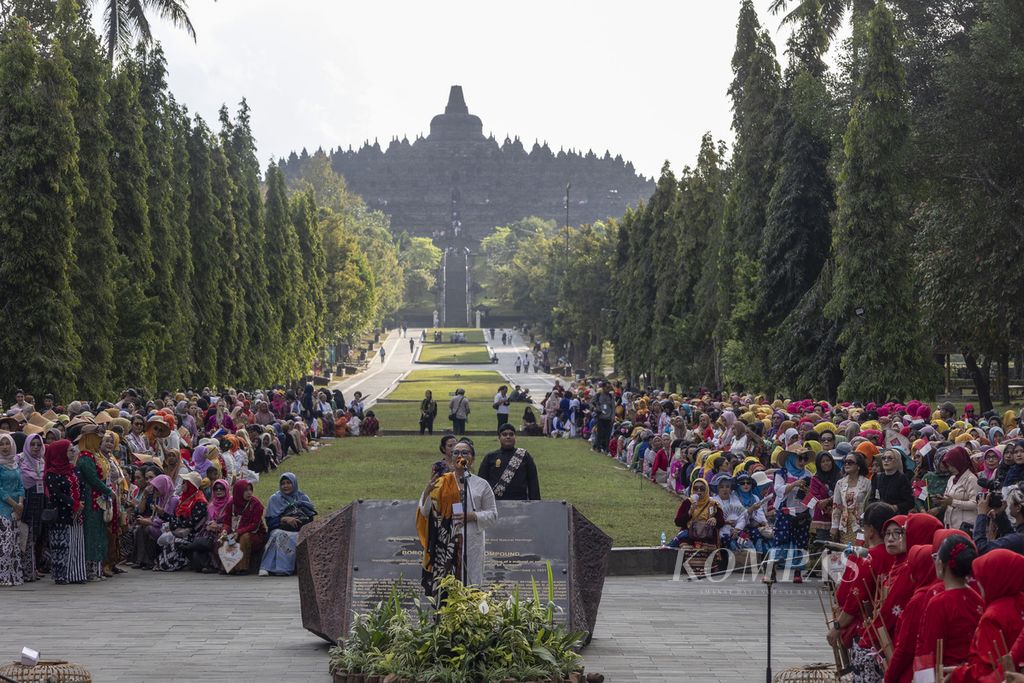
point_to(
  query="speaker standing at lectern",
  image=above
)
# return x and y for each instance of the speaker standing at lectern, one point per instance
(453, 512)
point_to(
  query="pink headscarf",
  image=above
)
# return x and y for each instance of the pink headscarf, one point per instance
(215, 506)
(31, 468)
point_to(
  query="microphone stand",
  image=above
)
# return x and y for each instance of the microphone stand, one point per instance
(769, 582)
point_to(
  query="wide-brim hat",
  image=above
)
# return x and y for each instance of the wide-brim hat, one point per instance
(34, 429)
(50, 415)
(104, 418)
(12, 423)
(38, 420)
(193, 478)
(158, 426)
(760, 478)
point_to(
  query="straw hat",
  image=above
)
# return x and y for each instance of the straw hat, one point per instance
(104, 418)
(34, 429)
(12, 423)
(193, 478)
(159, 427)
(50, 415)
(38, 420)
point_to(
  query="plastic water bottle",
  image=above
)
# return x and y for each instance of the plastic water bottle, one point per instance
(663, 538)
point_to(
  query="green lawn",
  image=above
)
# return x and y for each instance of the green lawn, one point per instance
(443, 383)
(454, 353)
(631, 510)
(405, 415)
(472, 335)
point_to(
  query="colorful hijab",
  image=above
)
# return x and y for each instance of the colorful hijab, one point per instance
(31, 468)
(56, 459)
(701, 509)
(200, 463)
(215, 506)
(279, 502)
(164, 487)
(191, 495)
(959, 461)
(8, 461)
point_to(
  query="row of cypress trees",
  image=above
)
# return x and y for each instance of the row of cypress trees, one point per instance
(815, 260)
(140, 247)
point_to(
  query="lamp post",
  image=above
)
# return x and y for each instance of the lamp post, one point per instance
(567, 186)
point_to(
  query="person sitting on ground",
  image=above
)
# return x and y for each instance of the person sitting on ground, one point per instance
(370, 425)
(242, 523)
(699, 518)
(288, 510)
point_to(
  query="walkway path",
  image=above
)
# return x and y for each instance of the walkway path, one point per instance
(380, 378)
(159, 628)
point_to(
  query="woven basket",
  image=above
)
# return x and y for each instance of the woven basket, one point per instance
(46, 672)
(812, 673)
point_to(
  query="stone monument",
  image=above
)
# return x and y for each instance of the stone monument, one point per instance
(420, 184)
(353, 558)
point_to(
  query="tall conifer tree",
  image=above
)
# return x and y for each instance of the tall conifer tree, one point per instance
(755, 92)
(96, 256)
(136, 342)
(172, 359)
(283, 272)
(39, 188)
(208, 258)
(232, 350)
(314, 272)
(883, 353)
(183, 274)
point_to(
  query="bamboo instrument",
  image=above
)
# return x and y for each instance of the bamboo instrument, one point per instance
(1009, 666)
(828, 627)
(938, 660)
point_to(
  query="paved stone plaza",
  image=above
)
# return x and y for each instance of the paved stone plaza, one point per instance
(143, 627)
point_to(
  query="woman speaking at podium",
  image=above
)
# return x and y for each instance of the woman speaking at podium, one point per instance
(453, 512)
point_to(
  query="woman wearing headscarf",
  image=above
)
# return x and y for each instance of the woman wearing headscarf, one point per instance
(96, 498)
(12, 505)
(64, 494)
(951, 610)
(158, 502)
(117, 480)
(173, 468)
(31, 465)
(699, 518)
(891, 485)
(1000, 575)
(961, 496)
(288, 510)
(443, 531)
(263, 454)
(202, 549)
(189, 519)
(792, 518)
(822, 490)
(220, 420)
(201, 463)
(242, 523)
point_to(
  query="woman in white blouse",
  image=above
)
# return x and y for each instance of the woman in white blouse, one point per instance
(437, 507)
(850, 498)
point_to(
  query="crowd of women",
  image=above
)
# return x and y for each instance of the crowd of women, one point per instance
(927, 501)
(88, 490)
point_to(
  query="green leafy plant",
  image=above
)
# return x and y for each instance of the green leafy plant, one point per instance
(471, 636)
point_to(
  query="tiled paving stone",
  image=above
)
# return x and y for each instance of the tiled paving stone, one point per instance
(149, 628)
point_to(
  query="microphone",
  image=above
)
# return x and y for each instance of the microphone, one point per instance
(849, 549)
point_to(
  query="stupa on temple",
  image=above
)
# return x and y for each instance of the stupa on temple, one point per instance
(456, 178)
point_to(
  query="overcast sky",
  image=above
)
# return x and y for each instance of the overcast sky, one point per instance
(644, 79)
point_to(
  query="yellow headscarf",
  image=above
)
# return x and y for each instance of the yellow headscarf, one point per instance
(1009, 421)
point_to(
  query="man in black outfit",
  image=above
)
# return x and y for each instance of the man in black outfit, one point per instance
(510, 471)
